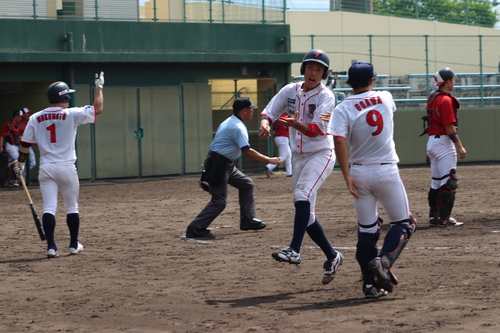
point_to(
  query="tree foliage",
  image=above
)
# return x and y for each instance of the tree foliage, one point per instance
(470, 12)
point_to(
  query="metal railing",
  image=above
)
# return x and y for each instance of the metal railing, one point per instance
(411, 61)
(469, 12)
(210, 11)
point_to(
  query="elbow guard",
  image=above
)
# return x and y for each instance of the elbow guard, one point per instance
(314, 131)
(454, 137)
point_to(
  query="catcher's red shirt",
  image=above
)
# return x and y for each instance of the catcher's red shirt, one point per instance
(279, 128)
(442, 111)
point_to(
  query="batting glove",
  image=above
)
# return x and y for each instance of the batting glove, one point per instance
(99, 80)
(18, 170)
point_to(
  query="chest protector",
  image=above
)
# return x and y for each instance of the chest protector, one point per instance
(431, 111)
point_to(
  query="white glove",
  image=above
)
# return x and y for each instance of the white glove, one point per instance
(18, 170)
(99, 80)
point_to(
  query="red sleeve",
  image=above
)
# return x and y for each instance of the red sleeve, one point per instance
(447, 111)
(5, 129)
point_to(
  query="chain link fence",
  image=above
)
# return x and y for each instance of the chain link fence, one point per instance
(406, 63)
(209, 11)
(470, 12)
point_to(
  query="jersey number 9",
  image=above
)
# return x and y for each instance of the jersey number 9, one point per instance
(374, 119)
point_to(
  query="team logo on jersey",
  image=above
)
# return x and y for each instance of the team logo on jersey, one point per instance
(291, 101)
(311, 108)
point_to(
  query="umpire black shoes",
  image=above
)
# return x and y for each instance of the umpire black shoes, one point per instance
(198, 233)
(253, 224)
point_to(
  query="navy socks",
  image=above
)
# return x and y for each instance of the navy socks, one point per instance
(302, 213)
(49, 225)
(317, 234)
(73, 222)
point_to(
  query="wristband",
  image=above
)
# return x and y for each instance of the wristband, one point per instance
(22, 157)
(313, 131)
(268, 118)
(454, 137)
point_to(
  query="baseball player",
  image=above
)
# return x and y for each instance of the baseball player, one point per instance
(11, 134)
(313, 154)
(282, 141)
(54, 130)
(26, 116)
(364, 121)
(442, 147)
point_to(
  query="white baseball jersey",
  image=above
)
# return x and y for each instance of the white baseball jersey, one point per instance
(310, 105)
(366, 122)
(54, 130)
(313, 157)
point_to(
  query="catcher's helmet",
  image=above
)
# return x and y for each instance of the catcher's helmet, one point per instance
(58, 92)
(443, 75)
(317, 56)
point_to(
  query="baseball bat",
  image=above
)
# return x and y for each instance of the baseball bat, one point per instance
(38, 224)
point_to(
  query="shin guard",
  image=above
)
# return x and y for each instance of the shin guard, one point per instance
(432, 198)
(396, 239)
(446, 197)
(366, 250)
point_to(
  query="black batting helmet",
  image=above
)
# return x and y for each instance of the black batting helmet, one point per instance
(317, 56)
(443, 75)
(58, 92)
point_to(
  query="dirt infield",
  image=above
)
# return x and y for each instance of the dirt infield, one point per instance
(137, 275)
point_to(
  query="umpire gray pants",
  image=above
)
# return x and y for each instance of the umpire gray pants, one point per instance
(237, 179)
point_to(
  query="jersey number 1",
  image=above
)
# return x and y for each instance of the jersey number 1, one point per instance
(374, 119)
(52, 130)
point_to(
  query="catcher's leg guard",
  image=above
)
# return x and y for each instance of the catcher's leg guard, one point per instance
(366, 250)
(6, 176)
(10, 176)
(396, 239)
(446, 197)
(432, 198)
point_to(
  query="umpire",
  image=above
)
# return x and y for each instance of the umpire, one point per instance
(219, 170)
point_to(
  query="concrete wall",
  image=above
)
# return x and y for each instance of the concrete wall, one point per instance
(397, 46)
(476, 127)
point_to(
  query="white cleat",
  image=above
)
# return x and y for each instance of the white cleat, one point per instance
(454, 223)
(51, 253)
(79, 248)
(287, 255)
(330, 268)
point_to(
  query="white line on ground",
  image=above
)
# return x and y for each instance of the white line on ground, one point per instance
(215, 242)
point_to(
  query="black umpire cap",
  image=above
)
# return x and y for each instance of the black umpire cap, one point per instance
(243, 103)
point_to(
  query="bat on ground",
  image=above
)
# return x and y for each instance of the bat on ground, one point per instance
(38, 224)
